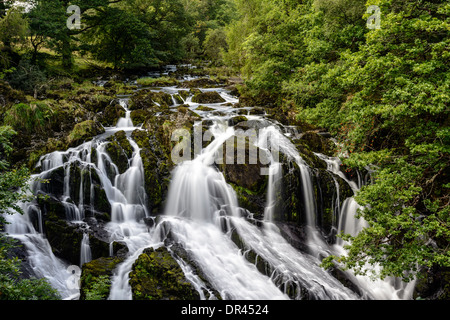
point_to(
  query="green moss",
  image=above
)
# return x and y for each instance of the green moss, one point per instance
(157, 82)
(203, 108)
(112, 114)
(83, 132)
(120, 150)
(96, 278)
(157, 276)
(140, 116)
(208, 97)
(146, 99)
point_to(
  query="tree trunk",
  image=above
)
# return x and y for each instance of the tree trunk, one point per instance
(66, 54)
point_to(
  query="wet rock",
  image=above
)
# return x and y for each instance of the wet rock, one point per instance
(200, 83)
(317, 142)
(235, 120)
(433, 284)
(112, 114)
(96, 278)
(328, 201)
(84, 131)
(120, 150)
(93, 101)
(151, 100)
(244, 170)
(157, 276)
(140, 116)
(155, 162)
(208, 97)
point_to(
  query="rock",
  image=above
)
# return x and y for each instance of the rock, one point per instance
(151, 100)
(326, 201)
(235, 120)
(433, 284)
(155, 162)
(112, 114)
(180, 253)
(203, 108)
(317, 142)
(157, 276)
(93, 101)
(245, 176)
(200, 83)
(120, 150)
(65, 239)
(84, 131)
(208, 97)
(140, 116)
(96, 277)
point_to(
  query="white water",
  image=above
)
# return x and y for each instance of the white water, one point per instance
(85, 250)
(388, 289)
(201, 213)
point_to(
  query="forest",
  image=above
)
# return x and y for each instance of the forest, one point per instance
(381, 91)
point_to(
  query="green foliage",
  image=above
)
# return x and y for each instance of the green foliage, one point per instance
(99, 288)
(33, 118)
(13, 27)
(6, 135)
(27, 77)
(14, 186)
(13, 287)
(383, 93)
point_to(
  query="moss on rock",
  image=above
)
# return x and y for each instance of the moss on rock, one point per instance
(157, 276)
(96, 278)
(147, 99)
(83, 132)
(208, 97)
(112, 114)
(120, 150)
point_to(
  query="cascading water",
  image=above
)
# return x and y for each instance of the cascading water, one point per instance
(389, 289)
(202, 215)
(85, 250)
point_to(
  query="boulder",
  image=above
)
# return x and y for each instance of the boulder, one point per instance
(246, 178)
(95, 281)
(151, 100)
(157, 276)
(200, 83)
(208, 97)
(112, 114)
(93, 101)
(84, 131)
(120, 150)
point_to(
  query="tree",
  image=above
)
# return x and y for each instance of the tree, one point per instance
(13, 182)
(382, 93)
(121, 39)
(13, 27)
(388, 104)
(215, 44)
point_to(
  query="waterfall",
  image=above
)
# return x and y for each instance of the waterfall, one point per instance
(85, 250)
(239, 257)
(389, 289)
(125, 122)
